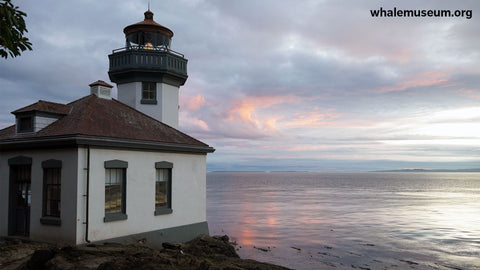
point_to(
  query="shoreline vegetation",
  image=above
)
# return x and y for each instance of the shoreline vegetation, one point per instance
(204, 252)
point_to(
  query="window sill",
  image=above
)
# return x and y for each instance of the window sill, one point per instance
(51, 221)
(115, 217)
(163, 211)
(148, 101)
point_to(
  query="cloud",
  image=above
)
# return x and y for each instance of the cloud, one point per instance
(312, 119)
(192, 103)
(321, 79)
(422, 79)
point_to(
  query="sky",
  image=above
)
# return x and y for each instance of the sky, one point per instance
(281, 85)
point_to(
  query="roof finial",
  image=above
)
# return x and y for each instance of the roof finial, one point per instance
(149, 5)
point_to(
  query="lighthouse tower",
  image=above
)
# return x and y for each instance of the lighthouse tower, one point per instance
(147, 72)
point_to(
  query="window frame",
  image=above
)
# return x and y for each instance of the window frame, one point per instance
(147, 92)
(123, 165)
(163, 210)
(26, 163)
(20, 126)
(51, 164)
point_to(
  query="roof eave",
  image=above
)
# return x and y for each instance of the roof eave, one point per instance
(145, 145)
(78, 140)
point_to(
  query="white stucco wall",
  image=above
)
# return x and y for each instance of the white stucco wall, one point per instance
(41, 232)
(166, 109)
(188, 192)
(168, 98)
(127, 93)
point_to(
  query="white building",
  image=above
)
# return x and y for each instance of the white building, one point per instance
(99, 169)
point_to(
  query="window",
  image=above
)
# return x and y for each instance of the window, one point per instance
(163, 188)
(51, 192)
(25, 124)
(20, 195)
(149, 93)
(115, 190)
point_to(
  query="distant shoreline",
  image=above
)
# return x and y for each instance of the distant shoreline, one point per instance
(400, 170)
(430, 170)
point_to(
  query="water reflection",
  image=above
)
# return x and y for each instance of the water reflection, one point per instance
(339, 220)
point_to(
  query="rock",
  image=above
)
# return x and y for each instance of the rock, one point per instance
(39, 258)
(206, 246)
(224, 238)
(174, 246)
(202, 253)
(262, 249)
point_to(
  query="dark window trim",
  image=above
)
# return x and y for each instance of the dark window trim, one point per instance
(162, 211)
(163, 165)
(168, 208)
(19, 165)
(47, 219)
(19, 126)
(114, 217)
(116, 164)
(20, 160)
(51, 164)
(148, 101)
(51, 221)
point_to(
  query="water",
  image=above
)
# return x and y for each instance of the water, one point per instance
(349, 220)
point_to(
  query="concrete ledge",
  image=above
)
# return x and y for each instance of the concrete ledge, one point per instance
(51, 221)
(115, 217)
(148, 101)
(155, 239)
(163, 211)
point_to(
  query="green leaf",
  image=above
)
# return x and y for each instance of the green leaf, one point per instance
(12, 29)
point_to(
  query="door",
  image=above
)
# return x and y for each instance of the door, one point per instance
(20, 200)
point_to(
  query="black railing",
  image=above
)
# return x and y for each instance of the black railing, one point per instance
(159, 58)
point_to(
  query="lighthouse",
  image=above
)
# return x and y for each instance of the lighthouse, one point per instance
(103, 170)
(148, 73)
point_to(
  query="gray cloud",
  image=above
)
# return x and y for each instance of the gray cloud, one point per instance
(274, 75)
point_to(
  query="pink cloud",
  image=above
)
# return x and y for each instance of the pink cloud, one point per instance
(428, 78)
(303, 148)
(191, 122)
(472, 93)
(246, 110)
(192, 103)
(315, 118)
(202, 124)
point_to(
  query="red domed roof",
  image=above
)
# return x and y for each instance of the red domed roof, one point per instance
(148, 25)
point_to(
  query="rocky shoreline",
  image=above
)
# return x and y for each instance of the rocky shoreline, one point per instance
(204, 252)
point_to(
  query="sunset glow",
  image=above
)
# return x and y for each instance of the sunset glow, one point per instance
(314, 85)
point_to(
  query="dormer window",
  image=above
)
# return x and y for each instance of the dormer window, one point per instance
(149, 93)
(25, 124)
(39, 115)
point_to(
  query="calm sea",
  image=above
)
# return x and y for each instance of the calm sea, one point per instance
(349, 220)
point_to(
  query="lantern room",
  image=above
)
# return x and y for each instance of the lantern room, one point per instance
(148, 34)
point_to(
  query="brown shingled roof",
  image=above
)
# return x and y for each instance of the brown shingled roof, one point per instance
(102, 118)
(148, 25)
(101, 83)
(45, 106)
